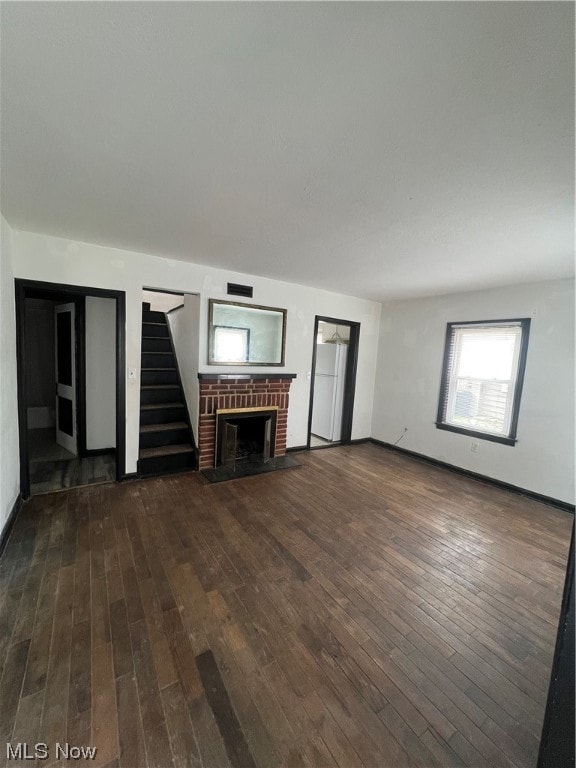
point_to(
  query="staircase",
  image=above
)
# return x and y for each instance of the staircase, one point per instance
(166, 438)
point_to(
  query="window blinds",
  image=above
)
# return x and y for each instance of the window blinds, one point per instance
(482, 369)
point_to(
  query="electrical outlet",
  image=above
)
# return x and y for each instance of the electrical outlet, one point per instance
(474, 446)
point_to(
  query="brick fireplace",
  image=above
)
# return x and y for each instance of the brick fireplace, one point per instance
(220, 391)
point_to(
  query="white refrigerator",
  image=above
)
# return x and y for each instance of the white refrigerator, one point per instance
(329, 390)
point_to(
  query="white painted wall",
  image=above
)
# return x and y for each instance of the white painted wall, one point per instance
(100, 373)
(184, 325)
(162, 302)
(408, 384)
(42, 257)
(9, 446)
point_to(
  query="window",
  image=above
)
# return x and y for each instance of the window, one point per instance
(231, 344)
(482, 378)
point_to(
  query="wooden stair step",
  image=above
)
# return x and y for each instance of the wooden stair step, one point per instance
(164, 427)
(160, 386)
(158, 369)
(157, 406)
(165, 450)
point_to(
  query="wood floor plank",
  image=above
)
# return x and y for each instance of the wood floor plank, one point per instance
(10, 687)
(457, 717)
(105, 720)
(269, 709)
(163, 661)
(192, 603)
(517, 730)
(80, 686)
(210, 743)
(228, 725)
(158, 750)
(342, 750)
(182, 654)
(27, 725)
(130, 732)
(367, 610)
(264, 747)
(123, 663)
(55, 713)
(312, 747)
(180, 729)
(151, 709)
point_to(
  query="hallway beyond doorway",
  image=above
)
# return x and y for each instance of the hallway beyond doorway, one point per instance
(53, 468)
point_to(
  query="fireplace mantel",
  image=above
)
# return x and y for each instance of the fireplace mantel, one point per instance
(245, 376)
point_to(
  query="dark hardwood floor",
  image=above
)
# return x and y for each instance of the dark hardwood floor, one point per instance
(363, 609)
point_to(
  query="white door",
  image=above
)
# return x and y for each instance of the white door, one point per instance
(64, 332)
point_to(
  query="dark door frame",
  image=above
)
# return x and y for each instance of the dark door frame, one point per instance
(557, 741)
(349, 377)
(33, 288)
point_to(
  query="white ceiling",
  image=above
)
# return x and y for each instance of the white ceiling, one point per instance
(377, 149)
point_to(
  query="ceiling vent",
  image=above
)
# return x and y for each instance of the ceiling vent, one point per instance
(235, 289)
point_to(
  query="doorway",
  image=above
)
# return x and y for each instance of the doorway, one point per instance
(71, 395)
(334, 364)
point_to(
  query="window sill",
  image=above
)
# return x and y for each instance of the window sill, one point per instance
(473, 433)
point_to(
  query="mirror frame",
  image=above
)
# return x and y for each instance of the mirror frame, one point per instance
(212, 329)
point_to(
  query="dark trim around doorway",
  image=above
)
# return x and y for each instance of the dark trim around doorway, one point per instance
(557, 741)
(81, 372)
(350, 377)
(32, 288)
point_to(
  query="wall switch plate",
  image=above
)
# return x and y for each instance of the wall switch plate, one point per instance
(474, 447)
(131, 373)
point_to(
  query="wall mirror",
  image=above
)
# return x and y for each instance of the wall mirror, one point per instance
(245, 334)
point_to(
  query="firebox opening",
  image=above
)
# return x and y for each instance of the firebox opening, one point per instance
(250, 437)
(245, 437)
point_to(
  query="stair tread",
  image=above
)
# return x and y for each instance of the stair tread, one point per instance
(158, 406)
(160, 386)
(158, 369)
(157, 353)
(151, 322)
(165, 450)
(155, 338)
(164, 427)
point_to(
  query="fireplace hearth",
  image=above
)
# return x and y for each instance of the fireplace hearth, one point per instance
(243, 424)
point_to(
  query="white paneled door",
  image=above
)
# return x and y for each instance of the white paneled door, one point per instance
(64, 330)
